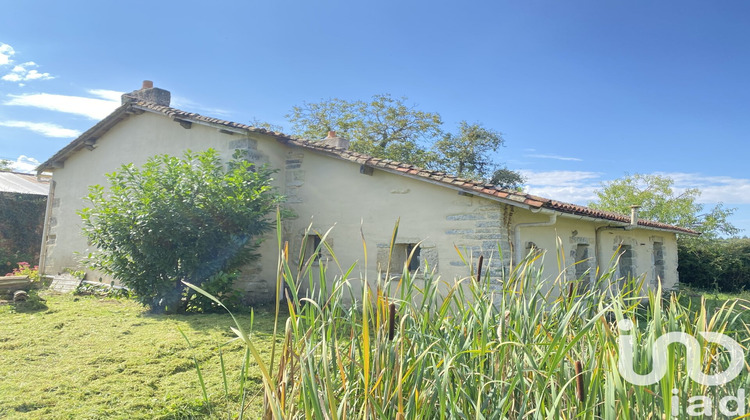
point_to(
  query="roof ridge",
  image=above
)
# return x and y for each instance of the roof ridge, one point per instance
(403, 168)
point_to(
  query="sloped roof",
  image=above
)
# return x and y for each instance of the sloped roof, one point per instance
(20, 183)
(472, 187)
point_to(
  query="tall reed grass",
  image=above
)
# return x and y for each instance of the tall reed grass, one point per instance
(479, 347)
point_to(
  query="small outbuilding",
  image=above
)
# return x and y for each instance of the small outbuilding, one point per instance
(23, 198)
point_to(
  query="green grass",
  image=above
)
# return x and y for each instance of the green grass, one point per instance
(407, 352)
(713, 299)
(99, 358)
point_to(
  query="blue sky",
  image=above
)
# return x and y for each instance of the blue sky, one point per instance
(583, 91)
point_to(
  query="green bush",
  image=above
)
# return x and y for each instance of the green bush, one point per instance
(176, 220)
(221, 286)
(722, 265)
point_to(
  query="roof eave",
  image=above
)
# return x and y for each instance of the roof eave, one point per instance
(524, 201)
(93, 133)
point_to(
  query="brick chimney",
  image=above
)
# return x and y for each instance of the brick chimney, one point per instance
(148, 93)
(336, 141)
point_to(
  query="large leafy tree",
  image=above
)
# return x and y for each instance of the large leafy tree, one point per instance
(659, 201)
(467, 153)
(5, 165)
(177, 219)
(384, 126)
(508, 179)
(389, 128)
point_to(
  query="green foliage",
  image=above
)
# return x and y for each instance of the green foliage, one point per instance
(33, 303)
(479, 347)
(5, 165)
(508, 179)
(79, 274)
(255, 122)
(467, 153)
(387, 128)
(25, 269)
(383, 127)
(220, 285)
(21, 226)
(102, 290)
(658, 200)
(177, 219)
(722, 265)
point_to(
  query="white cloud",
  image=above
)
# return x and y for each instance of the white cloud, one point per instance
(560, 178)
(24, 164)
(93, 108)
(187, 104)
(11, 77)
(579, 186)
(110, 95)
(45, 129)
(556, 157)
(714, 189)
(24, 72)
(569, 186)
(6, 52)
(578, 195)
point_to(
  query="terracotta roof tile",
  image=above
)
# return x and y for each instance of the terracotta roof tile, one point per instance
(534, 203)
(487, 190)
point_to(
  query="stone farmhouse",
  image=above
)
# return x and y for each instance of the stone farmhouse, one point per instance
(326, 184)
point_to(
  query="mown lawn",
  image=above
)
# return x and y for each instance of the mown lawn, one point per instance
(96, 358)
(103, 358)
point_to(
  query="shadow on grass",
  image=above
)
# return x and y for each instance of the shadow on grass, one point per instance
(262, 321)
(32, 304)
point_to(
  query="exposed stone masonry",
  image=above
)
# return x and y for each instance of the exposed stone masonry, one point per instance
(481, 232)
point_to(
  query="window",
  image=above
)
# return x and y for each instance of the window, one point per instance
(401, 256)
(414, 261)
(658, 262)
(627, 261)
(312, 244)
(582, 260)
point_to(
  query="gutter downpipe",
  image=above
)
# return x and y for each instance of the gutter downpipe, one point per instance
(517, 233)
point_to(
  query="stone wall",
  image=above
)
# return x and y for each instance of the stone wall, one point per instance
(481, 232)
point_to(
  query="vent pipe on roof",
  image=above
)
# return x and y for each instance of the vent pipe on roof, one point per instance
(336, 141)
(634, 215)
(148, 93)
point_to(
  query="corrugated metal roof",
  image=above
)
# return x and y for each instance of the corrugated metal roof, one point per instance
(15, 182)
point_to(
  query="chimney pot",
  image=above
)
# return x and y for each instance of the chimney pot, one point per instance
(634, 214)
(148, 93)
(336, 141)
